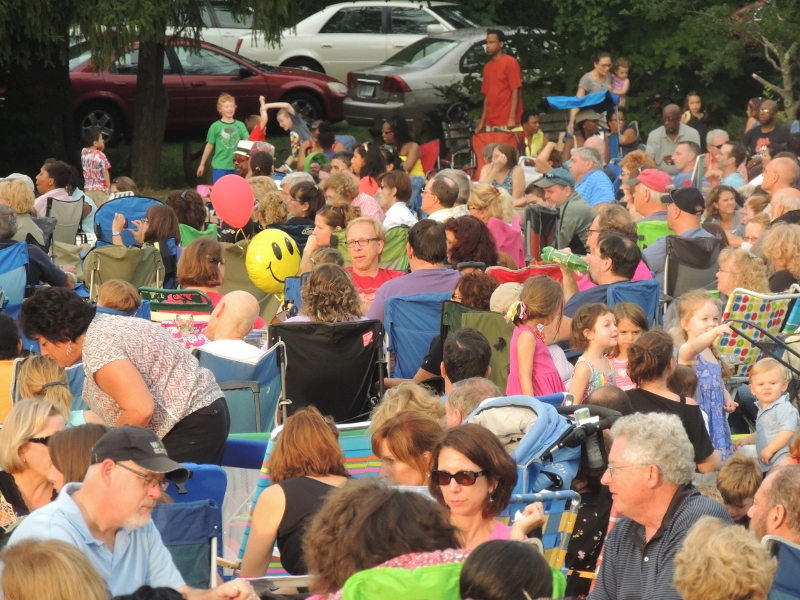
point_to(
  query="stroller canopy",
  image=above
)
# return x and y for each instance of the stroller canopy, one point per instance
(599, 101)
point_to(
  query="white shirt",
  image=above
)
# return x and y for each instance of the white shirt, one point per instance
(440, 216)
(397, 215)
(237, 350)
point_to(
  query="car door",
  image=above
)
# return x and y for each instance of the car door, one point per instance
(120, 78)
(353, 38)
(228, 28)
(207, 74)
(407, 26)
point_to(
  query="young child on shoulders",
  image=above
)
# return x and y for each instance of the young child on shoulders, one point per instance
(223, 139)
(737, 481)
(698, 313)
(631, 323)
(594, 330)
(620, 83)
(777, 421)
(94, 162)
(532, 370)
(257, 124)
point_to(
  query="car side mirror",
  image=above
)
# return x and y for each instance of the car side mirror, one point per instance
(435, 29)
(244, 72)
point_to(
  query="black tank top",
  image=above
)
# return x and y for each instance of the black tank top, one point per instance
(304, 497)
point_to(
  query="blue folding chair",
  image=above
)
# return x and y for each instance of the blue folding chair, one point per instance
(191, 532)
(251, 390)
(14, 277)
(411, 323)
(643, 293)
(134, 208)
(786, 585)
(292, 297)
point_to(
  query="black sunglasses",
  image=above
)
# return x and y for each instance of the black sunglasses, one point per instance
(40, 440)
(466, 478)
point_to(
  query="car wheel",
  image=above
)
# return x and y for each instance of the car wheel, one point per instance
(306, 105)
(103, 115)
(309, 64)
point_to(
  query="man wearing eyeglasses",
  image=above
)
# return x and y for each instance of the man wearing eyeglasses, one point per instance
(649, 475)
(365, 241)
(767, 132)
(108, 517)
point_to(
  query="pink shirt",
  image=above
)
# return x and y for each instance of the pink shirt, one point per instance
(94, 163)
(501, 531)
(369, 207)
(642, 274)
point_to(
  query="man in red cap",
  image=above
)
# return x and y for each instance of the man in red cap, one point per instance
(648, 188)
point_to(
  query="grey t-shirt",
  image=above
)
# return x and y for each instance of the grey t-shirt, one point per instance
(591, 86)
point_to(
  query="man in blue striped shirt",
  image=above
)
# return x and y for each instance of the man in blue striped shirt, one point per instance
(650, 469)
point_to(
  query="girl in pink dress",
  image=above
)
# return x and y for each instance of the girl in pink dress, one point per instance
(532, 371)
(631, 323)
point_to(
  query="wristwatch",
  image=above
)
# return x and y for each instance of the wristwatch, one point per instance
(116, 233)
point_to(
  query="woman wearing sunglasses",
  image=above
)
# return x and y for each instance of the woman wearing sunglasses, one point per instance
(25, 460)
(473, 478)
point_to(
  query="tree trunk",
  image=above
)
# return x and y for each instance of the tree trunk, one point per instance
(36, 119)
(150, 116)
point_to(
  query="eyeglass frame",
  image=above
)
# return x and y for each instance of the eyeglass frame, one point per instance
(149, 481)
(363, 242)
(611, 469)
(44, 441)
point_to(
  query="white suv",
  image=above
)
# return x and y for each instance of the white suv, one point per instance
(353, 35)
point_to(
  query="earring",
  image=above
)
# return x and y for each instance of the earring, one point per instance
(69, 348)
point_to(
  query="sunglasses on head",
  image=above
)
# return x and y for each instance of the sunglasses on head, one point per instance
(465, 478)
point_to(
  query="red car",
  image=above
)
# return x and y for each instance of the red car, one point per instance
(194, 81)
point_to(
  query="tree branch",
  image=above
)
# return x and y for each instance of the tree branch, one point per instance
(768, 85)
(770, 47)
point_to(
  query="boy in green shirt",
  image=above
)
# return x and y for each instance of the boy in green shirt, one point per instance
(223, 138)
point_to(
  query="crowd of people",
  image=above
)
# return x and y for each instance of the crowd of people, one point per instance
(682, 502)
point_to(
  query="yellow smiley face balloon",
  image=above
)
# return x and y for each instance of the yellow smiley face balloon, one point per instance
(272, 256)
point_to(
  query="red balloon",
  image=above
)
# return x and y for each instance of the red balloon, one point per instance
(233, 200)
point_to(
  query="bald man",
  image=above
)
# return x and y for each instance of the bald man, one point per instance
(785, 206)
(662, 141)
(231, 321)
(779, 174)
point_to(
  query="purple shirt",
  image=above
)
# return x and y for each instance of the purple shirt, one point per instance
(422, 281)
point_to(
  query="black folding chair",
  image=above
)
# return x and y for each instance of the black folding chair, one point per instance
(337, 367)
(691, 264)
(540, 229)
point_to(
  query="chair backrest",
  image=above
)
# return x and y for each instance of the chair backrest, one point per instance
(785, 585)
(768, 311)
(317, 157)
(251, 411)
(440, 581)
(141, 267)
(189, 531)
(691, 263)
(176, 300)
(650, 231)
(429, 154)
(355, 441)
(292, 293)
(411, 324)
(14, 276)
(540, 229)
(315, 356)
(69, 216)
(644, 293)
(394, 255)
(190, 234)
(561, 513)
(503, 275)
(492, 325)
(132, 207)
(48, 227)
(236, 278)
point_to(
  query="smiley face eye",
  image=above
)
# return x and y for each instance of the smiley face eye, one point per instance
(277, 251)
(289, 246)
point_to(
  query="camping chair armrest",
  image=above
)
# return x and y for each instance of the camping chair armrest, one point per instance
(234, 565)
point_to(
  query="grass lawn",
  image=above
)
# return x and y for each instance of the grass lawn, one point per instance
(172, 172)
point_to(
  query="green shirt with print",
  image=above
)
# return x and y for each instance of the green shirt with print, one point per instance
(226, 138)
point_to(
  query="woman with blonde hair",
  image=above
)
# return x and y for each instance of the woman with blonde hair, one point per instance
(407, 396)
(270, 208)
(329, 296)
(41, 378)
(20, 198)
(493, 206)
(741, 269)
(25, 460)
(780, 248)
(341, 188)
(49, 569)
(721, 561)
(305, 466)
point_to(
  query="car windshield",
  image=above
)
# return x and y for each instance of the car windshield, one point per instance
(461, 17)
(422, 53)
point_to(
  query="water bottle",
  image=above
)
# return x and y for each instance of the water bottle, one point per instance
(572, 261)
